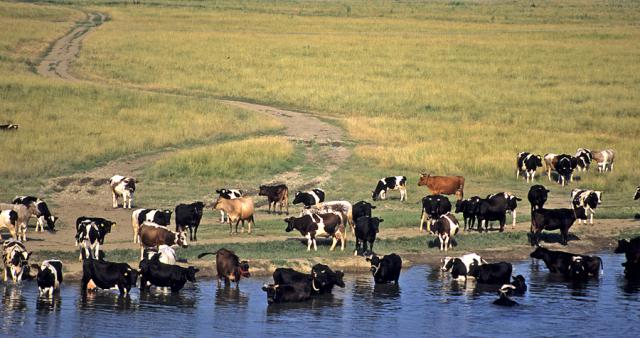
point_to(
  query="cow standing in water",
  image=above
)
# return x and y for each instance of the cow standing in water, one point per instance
(390, 183)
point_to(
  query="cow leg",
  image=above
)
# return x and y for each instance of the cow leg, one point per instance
(195, 233)
(517, 173)
(334, 241)
(315, 245)
(237, 222)
(591, 218)
(309, 242)
(422, 214)
(115, 199)
(513, 214)
(230, 227)
(564, 232)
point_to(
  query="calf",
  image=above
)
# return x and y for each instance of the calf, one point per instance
(124, 187)
(89, 238)
(561, 262)
(554, 219)
(584, 157)
(310, 226)
(276, 194)
(152, 236)
(537, 196)
(386, 269)
(322, 279)
(604, 159)
(189, 216)
(229, 194)
(107, 275)
(39, 209)
(165, 275)
(104, 227)
(9, 220)
(445, 227)
(49, 276)
(587, 199)
(433, 206)
(495, 208)
(469, 210)
(446, 185)
(527, 163)
(283, 293)
(309, 198)
(393, 183)
(15, 258)
(229, 266)
(366, 230)
(491, 273)
(24, 213)
(238, 210)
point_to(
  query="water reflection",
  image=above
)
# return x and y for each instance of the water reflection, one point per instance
(44, 305)
(106, 301)
(230, 296)
(160, 297)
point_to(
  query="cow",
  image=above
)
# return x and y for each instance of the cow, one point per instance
(39, 210)
(229, 266)
(460, 266)
(344, 208)
(366, 230)
(505, 292)
(321, 279)
(9, 220)
(9, 127)
(239, 209)
(584, 157)
(106, 275)
(386, 269)
(631, 249)
(637, 194)
(283, 293)
(565, 164)
(229, 194)
(310, 226)
(24, 213)
(433, 206)
(122, 186)
(604, 159)
(469, 209)
(157, 216)
(165, 254)
(361, 208)
(561, 262)
(587, 199)
(445, 228)
(88, 236)
(554, 219)
(491, 273)
(537, 196)
(495, 208)
(518, 282)
(309, 198)
(153, 235)
(165, 275)
(15, 258)
(393, 183)
(49, 276)
(446, 185)
(276, 194)
(527, 163)
(189, 216)
(104, 226)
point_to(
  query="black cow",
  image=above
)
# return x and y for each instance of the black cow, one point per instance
(104, 226)
(393, 183)
(469, 210)
(519, 285)
(528, 163)
(165, 275)
(564, 166)
(587, 199)
(561, 262)
(554, 219)
(491, 273)
(309, 198)
(49, 276)
(386, 269)
(495, 208)
(537, 196)
(433, 206)
(630, 248)
(321, 280)
(366, 230)
(189, 216)
(106, 275)
(361, 208)
(283, 293)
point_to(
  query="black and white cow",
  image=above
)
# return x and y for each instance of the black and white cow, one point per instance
(366, 230)
(445, 228)
(189, 216)
(49, 276)
(587, 199)
(284, 293)
(584, 157)
(433, 206)
(156, 216)
(107, 275)
(491, 273)
(637, 194)
(321, 280)
(229, 194)
(312, 225)
(165, 275)
(104, 227)
(309, 198)
(122, 186)
(537, 196)
(564, 167)
(15, 258)
(9, 220)
(386, 269)
(393, 183)
(460, 266)
(88, 236)
(39, 210)
(495, 208)
(561, 262)
(528, 163)
(469, 210)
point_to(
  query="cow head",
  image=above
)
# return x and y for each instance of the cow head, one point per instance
(577, 269)
(325, 278)
(263, 190)
(461, 205)
(599, 195)
(537, 161)
(51, 223)
(424, 178)
(297, 199)
(273, 293)
(130, 184)
(181, 239)
(243, 268)
(131, 276)
(458, 268)
(623, 246)
(375, 264)
(512, 201)
(190, 274)
(375, 223)
(539, 253)
(519, 283)
(446, 262)
(290, 225)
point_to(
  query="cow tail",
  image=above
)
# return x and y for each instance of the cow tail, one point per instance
(206, 253)
(461, 189)
(601, 266)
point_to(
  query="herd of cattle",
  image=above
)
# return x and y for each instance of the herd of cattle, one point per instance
(320, 218)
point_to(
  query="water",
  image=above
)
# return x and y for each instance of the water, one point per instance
(427, 302)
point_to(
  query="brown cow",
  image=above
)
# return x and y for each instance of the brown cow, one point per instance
(239, 209)
(276, 194)
(229, 266)
(446, 185)
(153, 235)
(604, 158)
